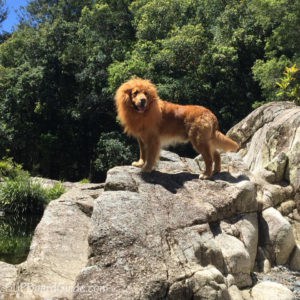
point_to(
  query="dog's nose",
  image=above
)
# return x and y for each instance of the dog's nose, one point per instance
(143, 102)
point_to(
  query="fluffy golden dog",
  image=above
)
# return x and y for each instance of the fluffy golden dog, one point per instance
(156, 123)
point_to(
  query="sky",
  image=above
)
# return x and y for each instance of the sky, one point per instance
(12, 18)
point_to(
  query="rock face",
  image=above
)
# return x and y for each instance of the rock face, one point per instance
(271, 291)
(295, 259)
(169, 235)
(270, 137)
(7, 279)
(278, 236)
(157, 235)
(59, 249)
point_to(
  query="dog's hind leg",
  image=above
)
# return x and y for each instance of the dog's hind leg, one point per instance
(142, 159)
(205, 150)
(217, 162)
(200, 137)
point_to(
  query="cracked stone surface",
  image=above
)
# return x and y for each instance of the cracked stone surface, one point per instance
(157, 235)
(7, 278)
(270, 140)
(169, 235)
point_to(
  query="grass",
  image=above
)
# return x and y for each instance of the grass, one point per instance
(19, 194)
(54, 192)
(85, 180)
(9, 169)
(15, 236)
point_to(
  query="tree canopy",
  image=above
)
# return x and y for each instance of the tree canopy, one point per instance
(60, 68)
(3, 11)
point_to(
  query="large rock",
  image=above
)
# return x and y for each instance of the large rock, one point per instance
(270, 138)
(8, 276)
(235, 293)
(277, 236)
(207, 283)
(238, 244)
(268, 290)
(59, 249)
(270, 142)
(295, 259)
(271, 195)
(157, 235)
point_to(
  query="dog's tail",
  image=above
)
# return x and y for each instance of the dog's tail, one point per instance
(225, 143)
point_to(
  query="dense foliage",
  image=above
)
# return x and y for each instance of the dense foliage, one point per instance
(60, 69)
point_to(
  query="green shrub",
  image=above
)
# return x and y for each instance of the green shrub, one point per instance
(267, 73)
(21, 195)
(84, 180)
(113, 150)
(10, 169)
(54, 192)
(258, 104)
(289, 85)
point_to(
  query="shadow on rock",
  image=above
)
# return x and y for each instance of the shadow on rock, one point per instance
(171, 182)
(215, 228)
(226, 176)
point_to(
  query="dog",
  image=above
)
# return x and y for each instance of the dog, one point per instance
(157, 123)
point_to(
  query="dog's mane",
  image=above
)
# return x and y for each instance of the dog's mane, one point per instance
(131, 120)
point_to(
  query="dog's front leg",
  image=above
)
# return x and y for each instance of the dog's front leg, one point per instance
(152, 147)
(142, 159)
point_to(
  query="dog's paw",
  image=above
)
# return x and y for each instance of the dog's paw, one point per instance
(216, 172)
(147, 169)
(138, 163)
(204, 176)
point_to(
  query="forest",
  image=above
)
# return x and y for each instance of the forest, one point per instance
(61, 66)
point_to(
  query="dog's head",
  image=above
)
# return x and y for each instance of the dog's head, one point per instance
(137, 94)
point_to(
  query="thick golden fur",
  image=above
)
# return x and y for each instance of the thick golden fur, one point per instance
(156, 123)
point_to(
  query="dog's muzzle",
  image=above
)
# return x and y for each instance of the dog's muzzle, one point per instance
(141, 107)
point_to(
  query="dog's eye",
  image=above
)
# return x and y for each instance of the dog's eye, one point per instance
(135, 93)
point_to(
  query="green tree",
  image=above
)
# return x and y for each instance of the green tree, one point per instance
(54, 101)
(41, 11)
(281, 21)
(289, 85)
(3, 16)
(112, 150)
(3, 11)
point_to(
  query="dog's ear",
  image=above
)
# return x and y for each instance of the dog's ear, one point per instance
(151, 90)
(123, 94)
